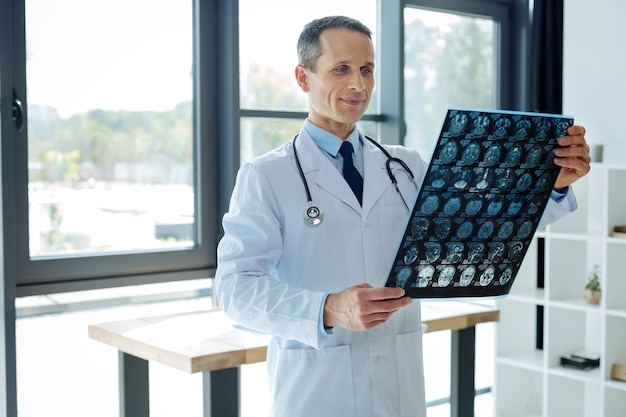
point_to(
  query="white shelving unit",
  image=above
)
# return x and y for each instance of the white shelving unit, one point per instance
(530, 381)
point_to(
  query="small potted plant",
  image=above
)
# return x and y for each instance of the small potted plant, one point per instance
(593, 293)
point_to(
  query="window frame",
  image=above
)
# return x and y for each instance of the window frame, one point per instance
(513, 20)
(45, 275)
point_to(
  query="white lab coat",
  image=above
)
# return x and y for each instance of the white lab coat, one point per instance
(274, 272)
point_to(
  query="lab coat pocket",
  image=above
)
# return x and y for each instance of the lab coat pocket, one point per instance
(314, 382)
(411, 375)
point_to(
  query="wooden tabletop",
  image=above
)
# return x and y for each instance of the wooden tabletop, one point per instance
(208, 341)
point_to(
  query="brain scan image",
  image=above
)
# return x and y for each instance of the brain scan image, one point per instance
(425, 275)
(420, 228)
(463, 178)
(496, 252)
(524, 182)
(505, 181)
(513, 156)
(440, 179)
(465, 230)
(514, 208)
(483, 194)
(457, 124)
(506, 230)
(480, 125)
(542, 129)
(476, 252)
(494, 207)
(470, 153)
(506, 276)
(502, 128)
(534, 156)
(561, 129)
(515, 251)
(448, 153)
(533, 208)
(433, 252)
(467, 276)
(487, 276)
(473, 207)
(542, 183)
(442, 228)
(452, 206)
(485, 230)
(492, 156)
(522, 129)
(430, 205)
(411, 255)
(402, 276)
(446, 275)
(454, 252)
(525, 229)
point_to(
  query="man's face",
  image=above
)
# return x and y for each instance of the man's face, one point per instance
(341, 87)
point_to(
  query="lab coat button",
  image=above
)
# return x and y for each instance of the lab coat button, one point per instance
(376, 358)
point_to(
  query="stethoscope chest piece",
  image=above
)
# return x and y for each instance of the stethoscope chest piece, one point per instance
(313, 216)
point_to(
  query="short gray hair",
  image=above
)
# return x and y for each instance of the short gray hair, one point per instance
(309, 48)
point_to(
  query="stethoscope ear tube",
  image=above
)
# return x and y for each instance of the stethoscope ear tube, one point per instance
(313, 215)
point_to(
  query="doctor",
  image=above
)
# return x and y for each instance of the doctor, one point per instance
(343, 344)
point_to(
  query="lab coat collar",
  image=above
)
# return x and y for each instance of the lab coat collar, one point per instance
(375, 178)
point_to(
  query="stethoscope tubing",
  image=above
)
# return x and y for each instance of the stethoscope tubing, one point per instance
(313, 216)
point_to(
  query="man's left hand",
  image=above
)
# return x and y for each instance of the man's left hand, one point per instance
(572, 157)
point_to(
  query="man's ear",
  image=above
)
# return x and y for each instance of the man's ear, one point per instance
(302, 77)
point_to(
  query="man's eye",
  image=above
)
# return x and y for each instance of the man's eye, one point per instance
(342, 68)
(366, 70)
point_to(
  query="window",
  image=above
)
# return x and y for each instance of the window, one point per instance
(449, 62)
(272, 106)
(457, 54)
(113, 142)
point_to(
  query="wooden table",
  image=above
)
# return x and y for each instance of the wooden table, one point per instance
(207, 342)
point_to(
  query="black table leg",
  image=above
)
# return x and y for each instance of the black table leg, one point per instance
(463, 367)
(134, 386)
(221, 393)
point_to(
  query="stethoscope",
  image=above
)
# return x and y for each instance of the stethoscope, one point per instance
(313, 215)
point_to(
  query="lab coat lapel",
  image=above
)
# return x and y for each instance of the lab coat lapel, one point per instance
(326, 175)
(375, 178)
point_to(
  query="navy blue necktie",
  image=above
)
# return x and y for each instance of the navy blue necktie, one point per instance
(352, 176)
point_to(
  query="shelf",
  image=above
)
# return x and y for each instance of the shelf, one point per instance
(533, 296)
(621, 313)
(585, 237)
(573, 247)
(532, 362)
(576, 304)
(593, 376)
(617, 385)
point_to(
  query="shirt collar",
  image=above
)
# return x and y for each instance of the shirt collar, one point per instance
(331, 143)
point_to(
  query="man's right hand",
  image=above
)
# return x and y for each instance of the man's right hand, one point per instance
(363, 307)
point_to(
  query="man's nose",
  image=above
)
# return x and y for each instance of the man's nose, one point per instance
(357, 81)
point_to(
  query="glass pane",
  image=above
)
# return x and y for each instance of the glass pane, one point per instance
(268, 36)
(449, 62)
(110, 145)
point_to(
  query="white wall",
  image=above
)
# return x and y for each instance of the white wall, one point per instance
(594, 72)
